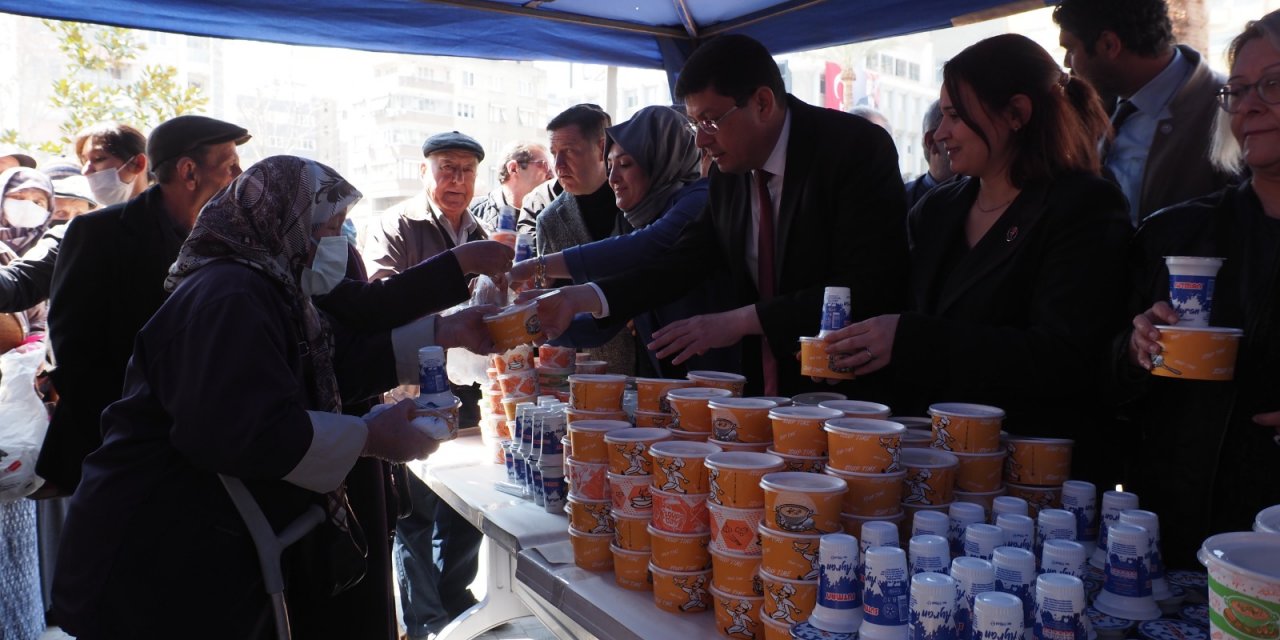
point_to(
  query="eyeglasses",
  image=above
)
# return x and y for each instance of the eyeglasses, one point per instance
(711, 127)
(1268, 89)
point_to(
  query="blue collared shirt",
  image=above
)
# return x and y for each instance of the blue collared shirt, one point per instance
(1128, 157)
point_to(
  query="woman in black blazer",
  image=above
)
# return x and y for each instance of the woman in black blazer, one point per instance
(1017, 267)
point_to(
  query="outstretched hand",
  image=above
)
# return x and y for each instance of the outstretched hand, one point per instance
(392, 438)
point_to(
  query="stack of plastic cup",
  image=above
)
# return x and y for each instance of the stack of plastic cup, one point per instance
(1036, 468)
(1127, 590)
(928, 553)
(1054, 524)
(875, 534)
(1155, 560)
(652, 407)
(973, 576)
(839, 607)
(933, 607)
(1059, 608)
(1016, 574)
(864, 450)
(1019, 531)
(981, 540)
(798, 509)
(1064, 556)
(886, 604)
(1081, 498)
(1008, 504)
(997, 616)
(961, 515)
(1113, 502)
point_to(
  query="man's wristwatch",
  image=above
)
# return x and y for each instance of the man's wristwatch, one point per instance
(540, 272)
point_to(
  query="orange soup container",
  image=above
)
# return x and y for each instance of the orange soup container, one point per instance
(573, 415)
(631, 495)
(631, 569)
(680, 467)
(807, 464)
(689, 436)
(690, 407)
(864, 445)
(587, 438)
(871, 494)
(817, 362)
(734, 530)
(554, 357)
(681, 591)
(798, 431)
(651, 393)
(735, 573)
(587, 480)
(734, 477)
(967, 428)
(591, 367)
(1038, 461)
(737, 615)
(518, 384)
(1197, 353)
(514, 326)
(654, 419)
(741, 419)
(589, 516)
(680, 512)
(916, 439)
(859, 409)
(596, 392)
(679, 551)
(789, 555)
(591, 550)
(757, 447)
(775, 630)
(629, 450)
(631, 532)
(1037, 497)
(797, 502)
(931, 477)
(803, 594)
(980, 472)
(733, 382)
(517, 360)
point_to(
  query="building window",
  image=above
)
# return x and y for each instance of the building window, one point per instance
(468, 79)
(466, 111)
(497, 113)
(913, 72)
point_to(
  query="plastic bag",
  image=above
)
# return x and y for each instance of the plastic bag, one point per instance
(466, 368)
(23, 421)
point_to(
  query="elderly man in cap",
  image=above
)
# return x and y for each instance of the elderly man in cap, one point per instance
(435, 220)
(433, 582)
(108, 281)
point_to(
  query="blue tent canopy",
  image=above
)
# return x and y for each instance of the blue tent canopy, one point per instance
(636, 33)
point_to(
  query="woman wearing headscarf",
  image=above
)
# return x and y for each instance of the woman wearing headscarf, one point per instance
(233, 375)
(25, 210)
(654, 172)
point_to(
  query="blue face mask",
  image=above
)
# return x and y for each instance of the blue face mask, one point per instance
(328, 267)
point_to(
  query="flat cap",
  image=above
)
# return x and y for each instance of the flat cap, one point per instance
(177, 136)
(452, 140)
(7, 150)
(76, 186)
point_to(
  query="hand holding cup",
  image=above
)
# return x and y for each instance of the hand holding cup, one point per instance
(1143, 340)
(484, 257)
(392, 437)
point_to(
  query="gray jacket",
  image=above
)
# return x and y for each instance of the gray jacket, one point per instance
(407, 234)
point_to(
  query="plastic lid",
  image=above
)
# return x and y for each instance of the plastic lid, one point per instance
(997, 605)
(987, 535)
(965, 410)
(802, 481)
(879, 533)
(974, 570)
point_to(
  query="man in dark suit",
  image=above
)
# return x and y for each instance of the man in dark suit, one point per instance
(109, 280)
(832, 179)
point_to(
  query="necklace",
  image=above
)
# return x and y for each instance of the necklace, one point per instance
(998, 207)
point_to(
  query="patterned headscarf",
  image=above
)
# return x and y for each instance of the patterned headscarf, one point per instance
(264, 221)
(18, 238)
(659, 140)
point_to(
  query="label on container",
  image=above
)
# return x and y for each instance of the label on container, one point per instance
(838, 585)
(1192, 298)
(887, 598)
(1126, 571)
(1056, 619)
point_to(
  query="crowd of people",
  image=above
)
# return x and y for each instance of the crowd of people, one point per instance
(212, 323)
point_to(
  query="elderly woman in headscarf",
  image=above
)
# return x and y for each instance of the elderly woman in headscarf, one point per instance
(654, 173)
(25, 210)
(233, 375)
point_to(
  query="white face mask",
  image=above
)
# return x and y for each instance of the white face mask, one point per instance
(107, 187)
(328, 267)
(24, 213)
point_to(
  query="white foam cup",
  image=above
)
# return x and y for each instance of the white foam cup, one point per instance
(933, 607)
(1126, 591)
(930, 523)
(1054, 524)
(960, 515)
(1191, 283)
(929, 553)
(1059, 609)
(1113, 502)
(1155, 561)
(1064, 556)
(981, 540)
(997, 616)
(1012, 505)
(839, 605)
(885, 595)
(1081, 498)
(973, 576)
(1016, 574)
(1019, 531)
